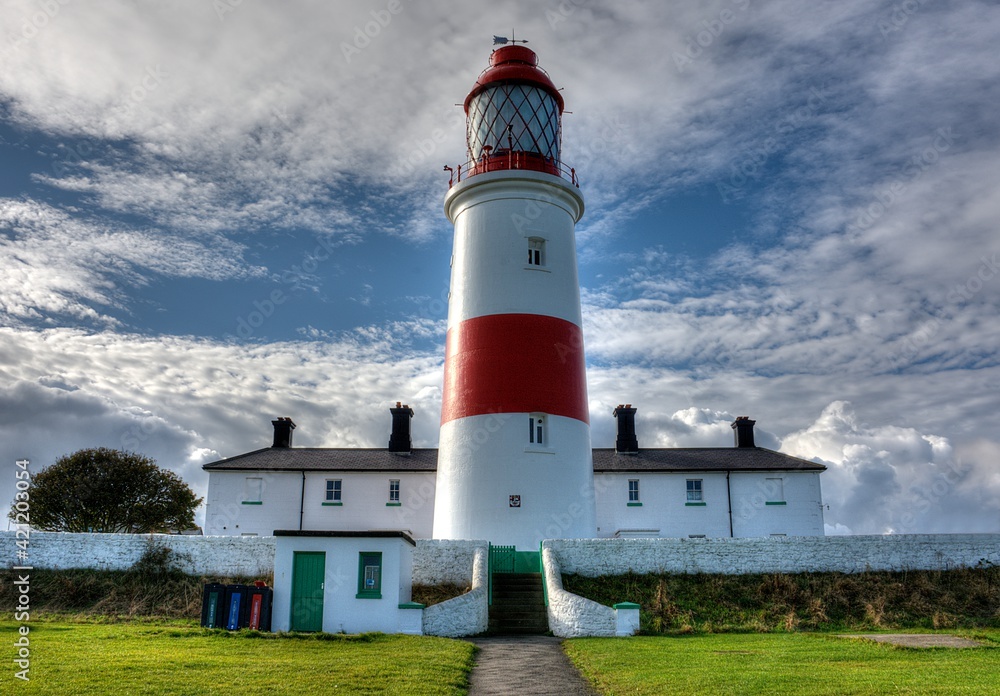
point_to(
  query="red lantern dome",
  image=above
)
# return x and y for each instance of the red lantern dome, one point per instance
(514, 116)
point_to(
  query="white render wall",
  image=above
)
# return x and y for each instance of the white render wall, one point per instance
(570, 615)
(364, 498)
(494, 215)
(756, 508)
(846, 554)
(343, 611)
(555, 482)
(467, 614)
(442, 560)
(223, 556)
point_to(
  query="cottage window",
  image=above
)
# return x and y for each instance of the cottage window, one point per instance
(633, 490)
(774, 490)
(394, 491)
(333, 490)
(694, 491)
(252, 489)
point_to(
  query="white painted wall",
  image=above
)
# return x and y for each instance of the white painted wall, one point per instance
(570, 615)
(437, 561)
(468, 614)
(364, 498)
(222, 556)
(494, 215)
(847, 554)
(342, 610)
(665, 511)
(490, 460)
(802, 515)
(226, 512)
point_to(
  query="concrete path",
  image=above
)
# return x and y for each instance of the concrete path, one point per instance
(524, 665)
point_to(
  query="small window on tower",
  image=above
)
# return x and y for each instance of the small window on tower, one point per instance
(536, 430)
(536, 251)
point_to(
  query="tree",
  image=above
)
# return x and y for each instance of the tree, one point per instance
(106, 490)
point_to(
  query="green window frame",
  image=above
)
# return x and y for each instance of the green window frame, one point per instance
(369, 575)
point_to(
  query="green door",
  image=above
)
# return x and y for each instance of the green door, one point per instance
(308, 569)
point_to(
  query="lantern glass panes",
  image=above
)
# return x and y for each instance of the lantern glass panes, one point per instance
(531, 114)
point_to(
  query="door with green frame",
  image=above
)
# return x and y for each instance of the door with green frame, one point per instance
(308, 570)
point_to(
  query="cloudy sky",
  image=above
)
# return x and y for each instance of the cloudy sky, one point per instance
(215, 213)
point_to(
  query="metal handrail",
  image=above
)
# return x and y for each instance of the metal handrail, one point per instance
(510, 160)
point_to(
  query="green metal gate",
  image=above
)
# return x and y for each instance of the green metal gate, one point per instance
(308, 569)
(502, 560)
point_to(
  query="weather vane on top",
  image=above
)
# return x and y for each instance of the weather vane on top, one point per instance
(503, 40)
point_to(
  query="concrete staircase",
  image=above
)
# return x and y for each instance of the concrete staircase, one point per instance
(518, 605)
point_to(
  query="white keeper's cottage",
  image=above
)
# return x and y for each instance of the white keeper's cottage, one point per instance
(739, 491)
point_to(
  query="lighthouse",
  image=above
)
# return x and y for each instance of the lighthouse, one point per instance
(514, 458)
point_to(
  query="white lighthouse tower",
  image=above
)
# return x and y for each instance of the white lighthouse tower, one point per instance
(514, 462)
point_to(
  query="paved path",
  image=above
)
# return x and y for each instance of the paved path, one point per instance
(524, 665)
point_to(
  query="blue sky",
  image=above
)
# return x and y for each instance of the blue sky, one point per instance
(215, 214)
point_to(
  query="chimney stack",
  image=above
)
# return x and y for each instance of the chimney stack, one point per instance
(283, 428)
(399, 440)
(626, 442)
(743, 430)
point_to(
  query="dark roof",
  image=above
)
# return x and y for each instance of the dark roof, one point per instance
(701, 459)
(328, 459)
(375, 534)
(605, 460)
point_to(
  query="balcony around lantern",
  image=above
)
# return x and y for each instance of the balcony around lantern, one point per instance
(506, 160)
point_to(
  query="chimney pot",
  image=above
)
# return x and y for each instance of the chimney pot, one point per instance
(283, 428)
(626, 442)
(743, 431)
(399, 440)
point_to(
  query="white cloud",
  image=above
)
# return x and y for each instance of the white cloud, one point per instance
(57, 265)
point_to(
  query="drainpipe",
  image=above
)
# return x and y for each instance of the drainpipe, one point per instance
(729, 501)
(302, 500)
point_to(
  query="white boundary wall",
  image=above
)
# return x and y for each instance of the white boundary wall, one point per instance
(436, 560)
(847, 554)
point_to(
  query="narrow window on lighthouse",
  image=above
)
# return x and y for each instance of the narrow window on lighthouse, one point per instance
(536, 430)
(536, 251)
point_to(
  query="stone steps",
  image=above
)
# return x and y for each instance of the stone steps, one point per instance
(518, 605)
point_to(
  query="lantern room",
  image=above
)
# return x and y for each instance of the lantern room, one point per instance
(513, 116)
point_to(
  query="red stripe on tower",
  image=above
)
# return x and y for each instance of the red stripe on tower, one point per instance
(515, 363)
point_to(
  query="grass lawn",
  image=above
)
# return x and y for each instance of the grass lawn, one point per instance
(802, 663)
(180, 658)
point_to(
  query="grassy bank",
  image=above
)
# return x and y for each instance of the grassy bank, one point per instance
(783, 663)
(961, 598)
(172, 658)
